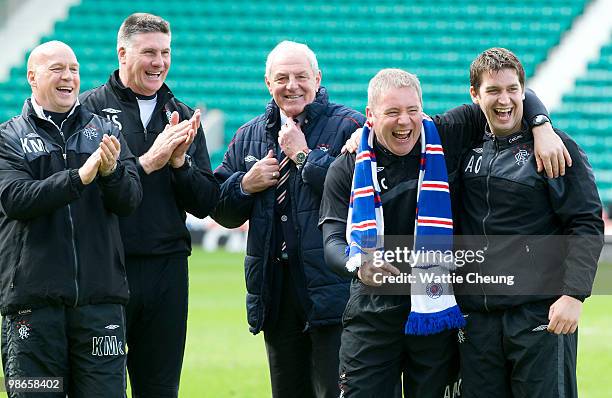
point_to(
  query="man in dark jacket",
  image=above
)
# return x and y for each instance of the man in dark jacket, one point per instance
(272, 175)
(65, 176)
(175, 171)
(375, 350)
(545, 234)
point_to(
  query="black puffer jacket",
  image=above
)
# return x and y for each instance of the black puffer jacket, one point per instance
(59, 239)
(326, 127)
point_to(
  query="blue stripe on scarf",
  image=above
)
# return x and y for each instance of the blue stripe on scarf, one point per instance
(433, 204)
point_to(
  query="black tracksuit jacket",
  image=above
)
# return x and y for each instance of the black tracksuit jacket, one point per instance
(547, 233)
(59, 239)
(157, 227)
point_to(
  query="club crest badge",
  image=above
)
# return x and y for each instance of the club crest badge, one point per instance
(434, 290)
(521, 157)
(90, 132)
(24, 329)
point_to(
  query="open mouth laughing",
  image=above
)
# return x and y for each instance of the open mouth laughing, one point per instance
(153, 75)
(503, 114)
(402, 135)
(65, 90)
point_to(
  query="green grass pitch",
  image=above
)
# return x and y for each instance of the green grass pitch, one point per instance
(223, 359)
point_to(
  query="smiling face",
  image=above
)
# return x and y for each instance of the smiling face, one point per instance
(396, 118)
(292, 82)
(500, 97)
(53, 74)
(145, 62)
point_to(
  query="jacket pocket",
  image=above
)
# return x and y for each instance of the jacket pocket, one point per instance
(253, 304)
(252, 274)
(17, 266)
(355, 293)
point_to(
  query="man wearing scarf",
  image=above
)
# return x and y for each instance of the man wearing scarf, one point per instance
(399, 188)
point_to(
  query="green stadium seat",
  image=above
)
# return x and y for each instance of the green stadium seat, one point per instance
(220, 48)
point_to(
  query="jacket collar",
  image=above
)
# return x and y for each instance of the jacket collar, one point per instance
(520, 137)
(31, 109)
(311, 112)
(126, 94)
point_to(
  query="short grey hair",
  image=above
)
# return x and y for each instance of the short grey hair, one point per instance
(387, 79)
(292, 46)
(140, 22)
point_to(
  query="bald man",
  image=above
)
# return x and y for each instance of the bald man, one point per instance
(65, 177)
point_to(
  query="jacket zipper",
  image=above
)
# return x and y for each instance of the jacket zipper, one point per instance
(70, 218)
(487, 193)
(71, 221)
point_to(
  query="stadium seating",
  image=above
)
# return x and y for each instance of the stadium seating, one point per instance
(219, 51)
(586, 114)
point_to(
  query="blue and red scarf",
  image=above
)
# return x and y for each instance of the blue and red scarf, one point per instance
(434, 308)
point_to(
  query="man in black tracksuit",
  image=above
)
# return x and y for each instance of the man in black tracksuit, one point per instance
(175, 171)
(65, 176)
(375, 352)
(272, 175)
(547, 234)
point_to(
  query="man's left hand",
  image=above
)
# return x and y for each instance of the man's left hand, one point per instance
(291, 139)
(177, 159)
(110, 148)
(563, 315)
(550, 152)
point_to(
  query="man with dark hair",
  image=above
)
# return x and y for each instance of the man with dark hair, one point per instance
(523, 342)
(272, 175)
(176, 177)
(65, 177)
(380, 341)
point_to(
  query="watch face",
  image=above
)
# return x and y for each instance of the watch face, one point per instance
(540, 119)
(300, 157)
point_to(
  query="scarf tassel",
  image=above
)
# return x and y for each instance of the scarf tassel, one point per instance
(423, 324)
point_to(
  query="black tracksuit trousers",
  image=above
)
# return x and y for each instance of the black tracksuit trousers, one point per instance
(375, 352)
(510, 354)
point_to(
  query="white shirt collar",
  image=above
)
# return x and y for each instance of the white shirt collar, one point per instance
(301, 117)
(41, 113)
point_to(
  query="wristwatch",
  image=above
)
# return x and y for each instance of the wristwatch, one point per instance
(539, 120)
(300, 158)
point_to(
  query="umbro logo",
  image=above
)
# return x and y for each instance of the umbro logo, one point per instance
(111, 327)
(111, 110)
(477, 150)
(540, 328)
(250, 158)
(379, 169)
